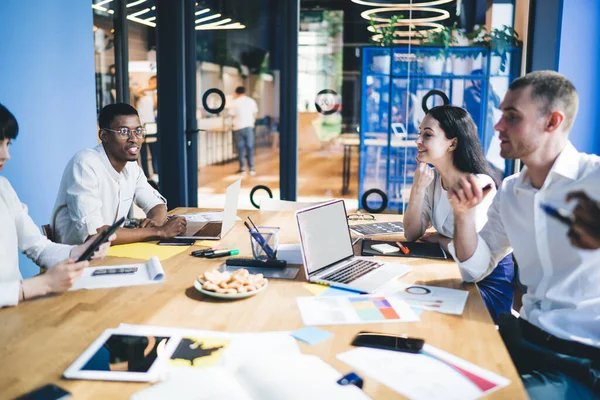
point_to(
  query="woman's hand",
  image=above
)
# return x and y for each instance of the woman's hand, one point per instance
(423, 177)
(77, 251)
(62, 276)
(585, 231)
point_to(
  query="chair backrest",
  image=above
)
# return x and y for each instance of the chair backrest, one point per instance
(268, 204)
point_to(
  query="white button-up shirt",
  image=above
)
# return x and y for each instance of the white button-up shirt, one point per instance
(243, 110)
(563, 282)
(437, 210)
(17, 231)
(92, 194)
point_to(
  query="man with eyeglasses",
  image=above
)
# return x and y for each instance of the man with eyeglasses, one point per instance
(99, 186)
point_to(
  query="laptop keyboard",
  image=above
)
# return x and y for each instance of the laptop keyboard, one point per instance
(211, 229)
(352, 271)
(379, 228)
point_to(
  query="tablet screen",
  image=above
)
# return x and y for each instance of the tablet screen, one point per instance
(126, 353)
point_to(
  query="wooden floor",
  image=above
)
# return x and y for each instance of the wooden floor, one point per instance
(319, 178)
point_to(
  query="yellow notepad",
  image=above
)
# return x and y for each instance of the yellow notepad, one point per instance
(143, 251)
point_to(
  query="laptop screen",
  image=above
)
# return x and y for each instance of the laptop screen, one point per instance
(324, 235)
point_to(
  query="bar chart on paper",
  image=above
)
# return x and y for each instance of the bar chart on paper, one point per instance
(360, 309)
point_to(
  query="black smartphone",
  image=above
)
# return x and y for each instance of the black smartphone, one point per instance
(46, 392)
(177, 242)
(388, 342)
(558, 213)
(100, 239)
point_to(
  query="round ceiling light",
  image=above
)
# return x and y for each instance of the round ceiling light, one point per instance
(413, 3)
(442, 15)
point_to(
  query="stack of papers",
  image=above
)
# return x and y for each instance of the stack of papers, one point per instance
(431, 298)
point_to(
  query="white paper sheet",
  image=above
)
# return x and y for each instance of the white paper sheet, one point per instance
(210, 216)
(358, 309)
(150, 272)
(419, 376)
(431, 298)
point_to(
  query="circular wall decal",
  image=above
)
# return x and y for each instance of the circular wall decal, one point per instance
(205, 101)
(327, 102)
(433, 92)
(256, 189)
(384, 201)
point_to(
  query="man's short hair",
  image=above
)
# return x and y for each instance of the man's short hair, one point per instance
(111, 111)
(9, 128)
(240, 90)
(553, 91)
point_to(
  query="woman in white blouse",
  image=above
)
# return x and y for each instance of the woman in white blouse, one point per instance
(448, 141)
(18, 231)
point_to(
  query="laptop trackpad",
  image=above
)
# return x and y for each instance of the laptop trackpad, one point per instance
(380, 276)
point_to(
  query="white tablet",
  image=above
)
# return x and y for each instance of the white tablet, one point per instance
(119, 355)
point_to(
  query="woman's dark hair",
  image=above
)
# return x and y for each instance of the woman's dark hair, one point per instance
(9, 129)
(457, 123)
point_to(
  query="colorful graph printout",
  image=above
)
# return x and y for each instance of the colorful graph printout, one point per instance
(359, 309)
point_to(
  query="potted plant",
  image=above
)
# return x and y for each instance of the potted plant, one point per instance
(436, 60)
(386, 32)
(499, 41)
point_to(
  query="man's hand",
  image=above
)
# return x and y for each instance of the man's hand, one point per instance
(423, 176)
(77, 251)
(148, 223)
(585, 231)
(63, 275)
(173, 227)
(465, 195)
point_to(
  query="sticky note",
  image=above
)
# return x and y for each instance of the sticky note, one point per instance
(312, 335)
(144, 251)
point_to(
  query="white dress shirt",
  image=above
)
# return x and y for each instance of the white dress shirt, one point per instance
(17, 231)
(437, 211)
(92, 194)
(563, 282)
(243, 110)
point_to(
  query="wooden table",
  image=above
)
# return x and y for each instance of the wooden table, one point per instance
(41, 338)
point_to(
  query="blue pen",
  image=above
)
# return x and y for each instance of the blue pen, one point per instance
(260, 240)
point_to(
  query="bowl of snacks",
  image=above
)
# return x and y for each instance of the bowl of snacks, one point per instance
(230, 285)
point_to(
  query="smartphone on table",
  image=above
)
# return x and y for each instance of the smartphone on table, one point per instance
(46, 392)
(387, 341)
(100, 240)
(177, 242)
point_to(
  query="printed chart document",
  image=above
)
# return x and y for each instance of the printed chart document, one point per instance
(431, 298)
(150, 272)
(429, 375)
(357, 309)
(273, 377)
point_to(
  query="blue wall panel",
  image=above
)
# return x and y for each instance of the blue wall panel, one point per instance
(579, 60)
(47, 81)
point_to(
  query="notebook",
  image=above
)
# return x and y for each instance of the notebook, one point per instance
(417, 250)
(328, 255)
(215, 230)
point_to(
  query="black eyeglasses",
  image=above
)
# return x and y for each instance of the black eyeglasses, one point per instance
(125, 133)
(360, 216)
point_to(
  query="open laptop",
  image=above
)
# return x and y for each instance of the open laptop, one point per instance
(215, 230)
(328, 254)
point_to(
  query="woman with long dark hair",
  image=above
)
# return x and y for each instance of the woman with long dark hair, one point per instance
(448, 141)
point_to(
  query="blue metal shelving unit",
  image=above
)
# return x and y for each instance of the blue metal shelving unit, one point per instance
(394, 85)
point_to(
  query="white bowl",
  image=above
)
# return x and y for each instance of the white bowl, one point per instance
(198, 286)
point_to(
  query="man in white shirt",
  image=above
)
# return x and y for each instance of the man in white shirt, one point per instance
(99, 186)
(244, 110)
(555, 343)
